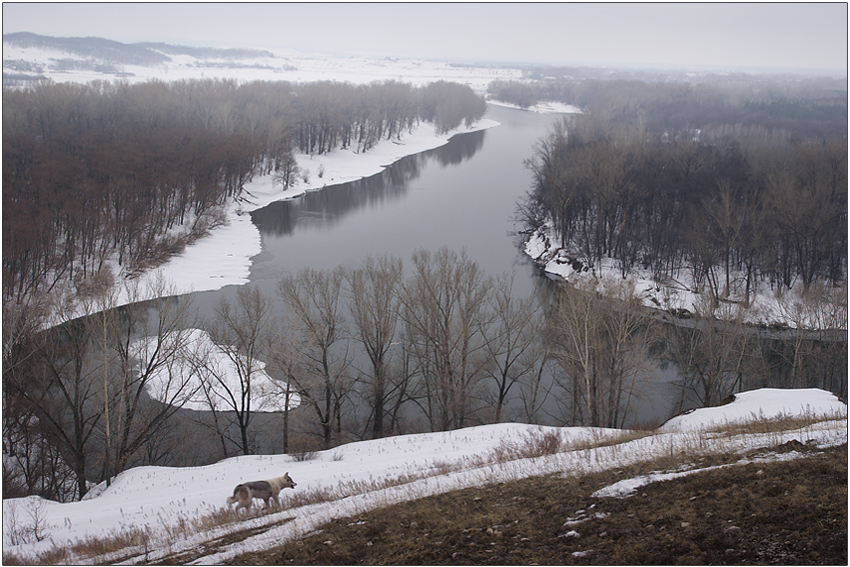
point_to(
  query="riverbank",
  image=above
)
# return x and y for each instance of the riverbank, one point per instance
(820, 308)
(547, 107)
(224, 256)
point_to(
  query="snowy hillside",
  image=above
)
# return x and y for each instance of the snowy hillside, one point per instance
(166, 504)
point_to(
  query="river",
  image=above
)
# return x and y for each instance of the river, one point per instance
(462, 195)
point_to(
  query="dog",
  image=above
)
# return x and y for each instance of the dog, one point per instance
(265, 490)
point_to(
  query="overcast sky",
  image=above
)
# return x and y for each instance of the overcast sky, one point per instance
(721, 35)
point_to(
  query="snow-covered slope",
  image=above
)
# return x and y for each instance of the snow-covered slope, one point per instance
(760, 405)
(366, 475)
(282, 65)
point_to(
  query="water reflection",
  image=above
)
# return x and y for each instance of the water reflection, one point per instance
(330, 205)
(461, 148)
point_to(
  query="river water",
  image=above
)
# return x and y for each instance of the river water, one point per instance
(462, 195)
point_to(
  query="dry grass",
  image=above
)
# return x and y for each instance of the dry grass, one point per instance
(743, 514)
(759, 425)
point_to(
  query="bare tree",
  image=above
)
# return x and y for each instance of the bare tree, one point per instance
(285, 358)
(444, 309)
(153, 379)
(60, 389)
(816, 351)
(513, 344)
(32, 463)
(313, 300)
(238, 332)
(374, 309)
(710, 351)
(601, 342)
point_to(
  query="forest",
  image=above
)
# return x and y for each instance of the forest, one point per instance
(798, 106)
(737, 192)
(135, 172)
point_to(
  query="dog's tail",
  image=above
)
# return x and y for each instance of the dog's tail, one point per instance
(234, 498)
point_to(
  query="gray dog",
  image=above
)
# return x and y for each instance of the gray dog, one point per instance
(265, 490)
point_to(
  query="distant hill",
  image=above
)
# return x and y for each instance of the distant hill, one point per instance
(115, 52)
(106, 50)
(207, 52)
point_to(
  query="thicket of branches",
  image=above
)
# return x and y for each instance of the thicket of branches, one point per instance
(107, 170)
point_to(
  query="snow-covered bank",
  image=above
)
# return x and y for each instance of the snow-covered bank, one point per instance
(371, 474)
(767, 307)
(546, 107)
(224, 257)
(184, 385)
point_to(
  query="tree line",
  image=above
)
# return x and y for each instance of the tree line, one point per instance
(799, 107)
(377, 350)
(134, 172)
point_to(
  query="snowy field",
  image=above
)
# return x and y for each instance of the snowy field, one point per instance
(283, 65)
(362, 476)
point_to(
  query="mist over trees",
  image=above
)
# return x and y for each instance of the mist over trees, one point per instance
(799, 107)
(136, 172)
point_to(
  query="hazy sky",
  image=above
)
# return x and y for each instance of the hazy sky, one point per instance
(755, 35)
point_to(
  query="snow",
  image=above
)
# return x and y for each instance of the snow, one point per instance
(546, 107)
(283, 65)
(222, 383)
(629, 486)
(362, 476)
(760, 405)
